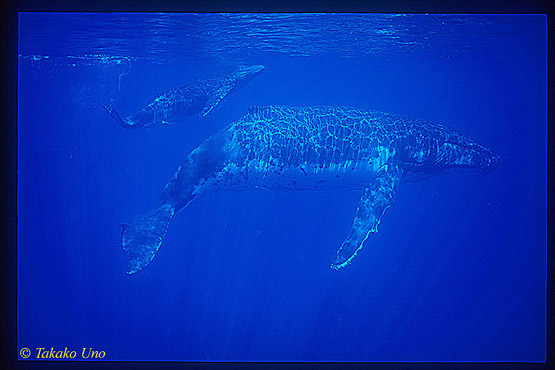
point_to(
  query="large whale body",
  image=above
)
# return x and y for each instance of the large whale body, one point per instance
(197, 98)
(295, 148)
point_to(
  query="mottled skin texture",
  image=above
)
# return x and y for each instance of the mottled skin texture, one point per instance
(294, 148)
(197, 98)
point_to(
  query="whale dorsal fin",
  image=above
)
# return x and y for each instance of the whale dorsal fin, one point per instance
(377, 197)
(216, 97)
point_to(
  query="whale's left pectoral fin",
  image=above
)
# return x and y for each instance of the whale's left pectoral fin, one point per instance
(216, 97)
(377, 197)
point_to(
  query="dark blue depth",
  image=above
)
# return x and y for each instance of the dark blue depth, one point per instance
(457, 271)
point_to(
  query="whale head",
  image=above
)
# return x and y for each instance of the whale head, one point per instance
(467, 155)
(247, 73)
(490, 161)
(251, 70)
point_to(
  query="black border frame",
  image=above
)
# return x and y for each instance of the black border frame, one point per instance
(8, 153)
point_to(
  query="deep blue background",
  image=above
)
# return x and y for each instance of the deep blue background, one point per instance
(456, 273)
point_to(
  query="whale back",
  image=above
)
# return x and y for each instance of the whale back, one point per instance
(318, 139)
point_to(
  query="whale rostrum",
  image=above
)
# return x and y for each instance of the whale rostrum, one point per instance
(295, 148)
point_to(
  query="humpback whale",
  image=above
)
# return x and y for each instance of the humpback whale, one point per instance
(294, 148)
(199, 98)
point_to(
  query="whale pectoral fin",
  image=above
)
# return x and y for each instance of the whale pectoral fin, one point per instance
(377, 197)
(142, 237)
(216, 97)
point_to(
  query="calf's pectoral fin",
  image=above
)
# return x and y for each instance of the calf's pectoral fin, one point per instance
(377, 197)
(216, 97)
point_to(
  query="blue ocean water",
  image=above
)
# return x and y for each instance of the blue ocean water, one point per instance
(457, 271)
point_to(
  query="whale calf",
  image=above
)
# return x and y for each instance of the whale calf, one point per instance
(197, 98)
(295, 148)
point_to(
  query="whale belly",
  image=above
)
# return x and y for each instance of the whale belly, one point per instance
(257, 175)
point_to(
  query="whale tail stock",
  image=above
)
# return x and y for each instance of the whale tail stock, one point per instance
(125, 123)
(142, 237)
(115, 115)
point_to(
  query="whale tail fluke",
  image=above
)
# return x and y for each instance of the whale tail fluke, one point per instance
(142, 237)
